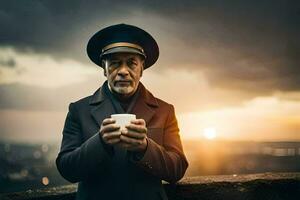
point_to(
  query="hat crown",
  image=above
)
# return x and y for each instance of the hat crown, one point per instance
(123, 33)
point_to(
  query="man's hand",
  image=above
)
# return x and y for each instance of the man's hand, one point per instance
(133, 138)
(109, 131)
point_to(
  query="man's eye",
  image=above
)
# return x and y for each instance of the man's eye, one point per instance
(132, 63)
(114, 63)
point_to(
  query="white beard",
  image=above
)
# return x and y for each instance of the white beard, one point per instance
(121, 90)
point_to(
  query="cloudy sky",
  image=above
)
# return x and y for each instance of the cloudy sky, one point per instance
(228, 66)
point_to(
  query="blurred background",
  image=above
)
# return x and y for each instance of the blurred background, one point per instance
(230, 68)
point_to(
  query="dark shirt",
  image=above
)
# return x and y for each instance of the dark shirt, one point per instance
(121, 105)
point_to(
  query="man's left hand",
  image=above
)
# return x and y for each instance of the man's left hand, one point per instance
(133, 138)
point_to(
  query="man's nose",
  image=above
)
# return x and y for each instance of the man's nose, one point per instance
(123, 70)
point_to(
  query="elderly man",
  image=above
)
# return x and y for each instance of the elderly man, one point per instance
(131, 163)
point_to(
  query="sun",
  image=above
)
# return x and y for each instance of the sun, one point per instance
(209, 133)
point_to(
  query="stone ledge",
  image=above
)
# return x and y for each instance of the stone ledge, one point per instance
(267, 186)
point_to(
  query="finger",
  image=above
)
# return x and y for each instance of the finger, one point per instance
(132, 134)
(131, 141)
(109, 128)
(113, 141)
(111, 135)
(108, 121)
(137, 128)
(138, 122)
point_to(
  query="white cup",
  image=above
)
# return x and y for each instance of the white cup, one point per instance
(123, 119)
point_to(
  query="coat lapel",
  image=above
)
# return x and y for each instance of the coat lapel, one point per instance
(145, 104)
(102, 107)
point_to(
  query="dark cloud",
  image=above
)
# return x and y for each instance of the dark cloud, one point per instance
(27, 97)
(58, 28)
(244, 45)
(22, 97)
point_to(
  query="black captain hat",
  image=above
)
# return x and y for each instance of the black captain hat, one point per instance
(122, 38)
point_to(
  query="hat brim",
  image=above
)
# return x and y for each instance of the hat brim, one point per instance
(122, 33)
(122, 50)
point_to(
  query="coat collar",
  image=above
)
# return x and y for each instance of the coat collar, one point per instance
(103, 108)
(98, 96)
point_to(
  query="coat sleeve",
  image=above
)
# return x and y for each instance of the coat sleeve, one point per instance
(78, 160)
(168, 161)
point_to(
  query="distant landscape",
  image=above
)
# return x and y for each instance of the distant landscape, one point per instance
(227, 157)
(32, 166)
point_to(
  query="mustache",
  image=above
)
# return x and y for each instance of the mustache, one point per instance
(123, 81)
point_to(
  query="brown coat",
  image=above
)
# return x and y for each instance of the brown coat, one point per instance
(84, 158)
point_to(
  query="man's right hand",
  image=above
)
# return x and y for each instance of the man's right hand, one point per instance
(110, 132)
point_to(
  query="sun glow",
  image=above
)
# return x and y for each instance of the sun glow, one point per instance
(210, 133)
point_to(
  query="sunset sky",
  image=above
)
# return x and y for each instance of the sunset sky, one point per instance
(228, 66)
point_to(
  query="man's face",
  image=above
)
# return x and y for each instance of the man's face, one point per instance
(123, 72)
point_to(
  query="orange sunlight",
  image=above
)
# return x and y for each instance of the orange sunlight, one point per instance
(209, 133)
(260, 119)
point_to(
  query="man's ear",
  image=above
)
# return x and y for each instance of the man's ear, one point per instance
(143, 66)
(104, 68)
